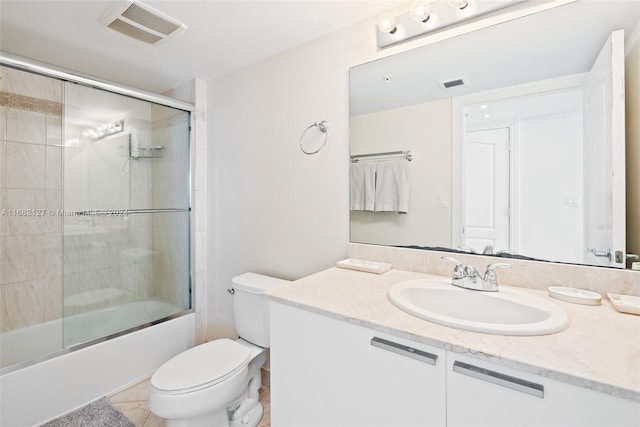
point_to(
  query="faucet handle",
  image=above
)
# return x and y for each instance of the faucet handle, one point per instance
(490, 274)
(458, 270)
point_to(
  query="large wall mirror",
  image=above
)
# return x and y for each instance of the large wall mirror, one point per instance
(509, 140)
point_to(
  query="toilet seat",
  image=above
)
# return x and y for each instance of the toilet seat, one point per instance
(201, 367)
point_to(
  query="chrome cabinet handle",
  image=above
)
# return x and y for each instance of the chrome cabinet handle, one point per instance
(500, 379)
(404, 350)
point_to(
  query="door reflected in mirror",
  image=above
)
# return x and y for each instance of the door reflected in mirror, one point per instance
(525, 155)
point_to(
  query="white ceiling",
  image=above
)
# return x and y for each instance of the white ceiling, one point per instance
(223, 35)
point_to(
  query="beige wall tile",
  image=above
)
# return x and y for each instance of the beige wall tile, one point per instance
(53, 254)
(53, 130)
(3, 163)
(53, 167)
(26, 211)
(24, 258)
(51, 296)
(18, 296)
(25, 126)
(3, 122)
(25, 166)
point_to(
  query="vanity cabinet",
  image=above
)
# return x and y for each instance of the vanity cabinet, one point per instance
(480, 393)
(326, 372)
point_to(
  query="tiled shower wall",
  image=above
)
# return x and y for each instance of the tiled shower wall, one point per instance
(107, 260)
(30, 178)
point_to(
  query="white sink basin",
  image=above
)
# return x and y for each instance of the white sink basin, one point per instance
(506, 312)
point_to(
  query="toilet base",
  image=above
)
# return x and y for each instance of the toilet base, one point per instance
(251, 418)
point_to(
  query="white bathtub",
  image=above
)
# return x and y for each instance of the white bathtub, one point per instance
(41, 392)
(45, 338)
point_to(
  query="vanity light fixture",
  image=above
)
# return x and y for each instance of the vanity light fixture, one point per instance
(425, 16)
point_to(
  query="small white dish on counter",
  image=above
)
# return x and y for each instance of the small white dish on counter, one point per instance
(575, 295)
(625, 303)
(364, 265)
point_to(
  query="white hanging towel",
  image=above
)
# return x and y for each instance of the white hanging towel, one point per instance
(362, 186)
(392, 186)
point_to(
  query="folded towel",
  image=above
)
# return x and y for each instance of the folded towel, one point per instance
(392, 186)
(362, 186)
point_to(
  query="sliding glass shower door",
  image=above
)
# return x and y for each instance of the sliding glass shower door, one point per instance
(125, 212)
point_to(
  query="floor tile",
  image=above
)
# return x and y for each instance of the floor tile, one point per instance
(132, 402)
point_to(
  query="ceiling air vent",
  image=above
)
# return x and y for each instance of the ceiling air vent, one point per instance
(141, 22)
(460, 81)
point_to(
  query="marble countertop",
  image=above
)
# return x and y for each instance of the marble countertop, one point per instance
(599, 350)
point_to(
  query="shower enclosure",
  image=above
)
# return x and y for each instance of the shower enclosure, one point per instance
(95, 215)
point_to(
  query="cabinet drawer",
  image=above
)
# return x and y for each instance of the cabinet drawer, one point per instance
(480, 393)
(328, 372)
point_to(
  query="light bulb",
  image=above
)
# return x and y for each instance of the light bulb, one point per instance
(458, 4)
(399, 33)
(387, 23)
(420, 10)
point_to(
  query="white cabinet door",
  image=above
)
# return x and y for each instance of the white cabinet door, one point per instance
(326, 372)
(485, 394)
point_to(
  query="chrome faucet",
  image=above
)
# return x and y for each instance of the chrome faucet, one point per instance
(468, 277)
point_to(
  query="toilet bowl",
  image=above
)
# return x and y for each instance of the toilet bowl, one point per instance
(217, 383)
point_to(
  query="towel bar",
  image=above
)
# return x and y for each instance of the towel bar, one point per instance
(406, 154)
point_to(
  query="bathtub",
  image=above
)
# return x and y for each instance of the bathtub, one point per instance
(83, 373)
(45, 338)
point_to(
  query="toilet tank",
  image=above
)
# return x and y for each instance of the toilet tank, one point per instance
(251, 306)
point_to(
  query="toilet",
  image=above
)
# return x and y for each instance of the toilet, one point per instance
(216, 383)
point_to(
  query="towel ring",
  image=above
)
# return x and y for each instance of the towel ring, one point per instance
(323, 126)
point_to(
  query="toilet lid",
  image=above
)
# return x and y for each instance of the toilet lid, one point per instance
(201, 366)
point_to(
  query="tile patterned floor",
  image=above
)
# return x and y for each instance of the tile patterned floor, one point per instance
(132, 402)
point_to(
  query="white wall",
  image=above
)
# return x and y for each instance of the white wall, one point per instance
(425, 130)
(274, 210)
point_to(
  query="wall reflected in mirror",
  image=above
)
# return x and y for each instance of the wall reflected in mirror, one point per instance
(518, 135)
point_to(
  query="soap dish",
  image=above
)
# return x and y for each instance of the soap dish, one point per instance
(364, 265)
(625, 303)
(574, 295)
